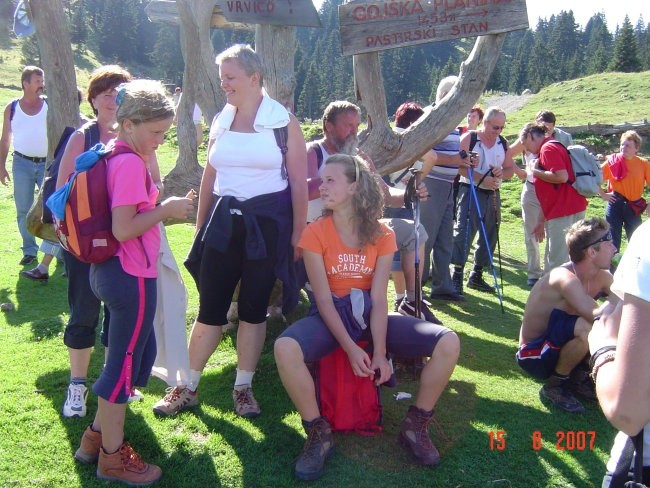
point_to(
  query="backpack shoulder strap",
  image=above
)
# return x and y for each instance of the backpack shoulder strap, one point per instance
(12, 109)
(315, 145)
(123, 149)
(91, 134)
(281, 136)
(503, 142)
(473, 139)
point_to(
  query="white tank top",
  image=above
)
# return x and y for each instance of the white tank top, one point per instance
(30, 132)
(247, 164)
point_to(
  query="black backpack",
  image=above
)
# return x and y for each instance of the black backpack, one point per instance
(91, 133)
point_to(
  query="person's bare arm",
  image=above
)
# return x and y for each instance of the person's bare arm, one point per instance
(206, 196)
(560, 176)
(313, 178)
(73, 148)
(297, 171)
(571, 290)
(623, 385)
(5, 142)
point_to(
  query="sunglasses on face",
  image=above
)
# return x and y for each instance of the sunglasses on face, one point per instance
(605, 238)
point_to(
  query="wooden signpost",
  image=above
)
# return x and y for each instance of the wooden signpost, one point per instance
(244, 14)
(378, 25)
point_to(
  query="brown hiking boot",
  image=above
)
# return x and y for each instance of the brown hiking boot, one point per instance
(318, 447)
(88, 451)
(414, 437)
(125, 466)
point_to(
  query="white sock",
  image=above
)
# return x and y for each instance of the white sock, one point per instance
(399, 296)
(410, 296)
(244, 378)
(42, 268)
(195, 377)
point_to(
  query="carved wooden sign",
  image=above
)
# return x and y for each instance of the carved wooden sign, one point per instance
(274, 12)
(379, 25)
(243, 14)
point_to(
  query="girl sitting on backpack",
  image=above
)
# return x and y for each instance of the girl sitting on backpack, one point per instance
(126, 283)
(348, 256)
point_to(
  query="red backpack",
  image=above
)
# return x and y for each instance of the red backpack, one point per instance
(86, 231)
(349, 402)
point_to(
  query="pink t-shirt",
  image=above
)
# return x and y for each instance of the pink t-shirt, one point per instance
(127, 178)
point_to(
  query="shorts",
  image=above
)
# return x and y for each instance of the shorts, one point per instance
(405, 237)
(539, 357)
(405, 336)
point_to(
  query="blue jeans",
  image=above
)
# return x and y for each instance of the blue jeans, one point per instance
(27, 176)
(619, 215)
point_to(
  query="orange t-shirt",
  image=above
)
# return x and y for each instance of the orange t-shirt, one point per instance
(631, 187)
(346, 267)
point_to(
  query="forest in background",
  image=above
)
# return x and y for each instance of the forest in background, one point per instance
(555, 49)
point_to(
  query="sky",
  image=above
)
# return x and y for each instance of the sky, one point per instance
(583, 10)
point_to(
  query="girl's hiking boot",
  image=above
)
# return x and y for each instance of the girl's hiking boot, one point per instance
(88, 451)
(318, 447)
(414, 436)
(125, 466)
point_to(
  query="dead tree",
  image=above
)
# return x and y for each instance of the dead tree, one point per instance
(57, 63)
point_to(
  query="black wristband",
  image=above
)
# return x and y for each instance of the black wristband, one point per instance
(463, 154)
(599, 353)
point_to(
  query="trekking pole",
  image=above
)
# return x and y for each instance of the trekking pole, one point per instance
(472, 189)
(414, 200)
(498, 226)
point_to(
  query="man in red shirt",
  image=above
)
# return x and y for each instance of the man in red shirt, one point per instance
(561, 204)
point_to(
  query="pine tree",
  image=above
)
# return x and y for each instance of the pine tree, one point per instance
(626, 57)
(167, 56)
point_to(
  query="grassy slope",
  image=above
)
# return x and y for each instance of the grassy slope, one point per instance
(213, 447)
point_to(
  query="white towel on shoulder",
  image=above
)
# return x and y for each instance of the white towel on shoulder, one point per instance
(270, 115)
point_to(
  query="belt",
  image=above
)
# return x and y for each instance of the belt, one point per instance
(30, 158)
(479, 189)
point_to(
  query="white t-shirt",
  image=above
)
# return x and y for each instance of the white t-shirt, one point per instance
(633, 273)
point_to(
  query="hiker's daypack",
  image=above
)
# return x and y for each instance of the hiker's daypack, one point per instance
(587, 175)
(91, 133)
(83, 220)
(350, 403)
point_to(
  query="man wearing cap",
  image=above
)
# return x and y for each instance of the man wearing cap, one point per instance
(25, 121)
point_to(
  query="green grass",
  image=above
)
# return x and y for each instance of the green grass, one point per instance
(212, 447)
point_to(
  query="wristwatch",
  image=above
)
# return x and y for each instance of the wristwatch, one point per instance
(463, 154)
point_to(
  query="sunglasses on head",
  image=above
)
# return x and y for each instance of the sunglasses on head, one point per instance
(605, 238)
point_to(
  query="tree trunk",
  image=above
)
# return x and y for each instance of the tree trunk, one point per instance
(390, 151)
(276, 46)
(200, 85)
(56, 56)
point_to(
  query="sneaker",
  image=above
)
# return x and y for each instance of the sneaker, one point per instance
(27, 259)
(476, 282)
(397, 304)
(408, 308)
(414, 437)
(135, 396)
(318, 447)
(35, 275)
(75, 403)
(457, 282)
(562, 398)
(176, 398)
(245, 403)
(448, 297)
(126, 466)
(88, 451)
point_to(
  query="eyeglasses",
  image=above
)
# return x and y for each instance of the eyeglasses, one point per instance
(498, 127)
(605, 238)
